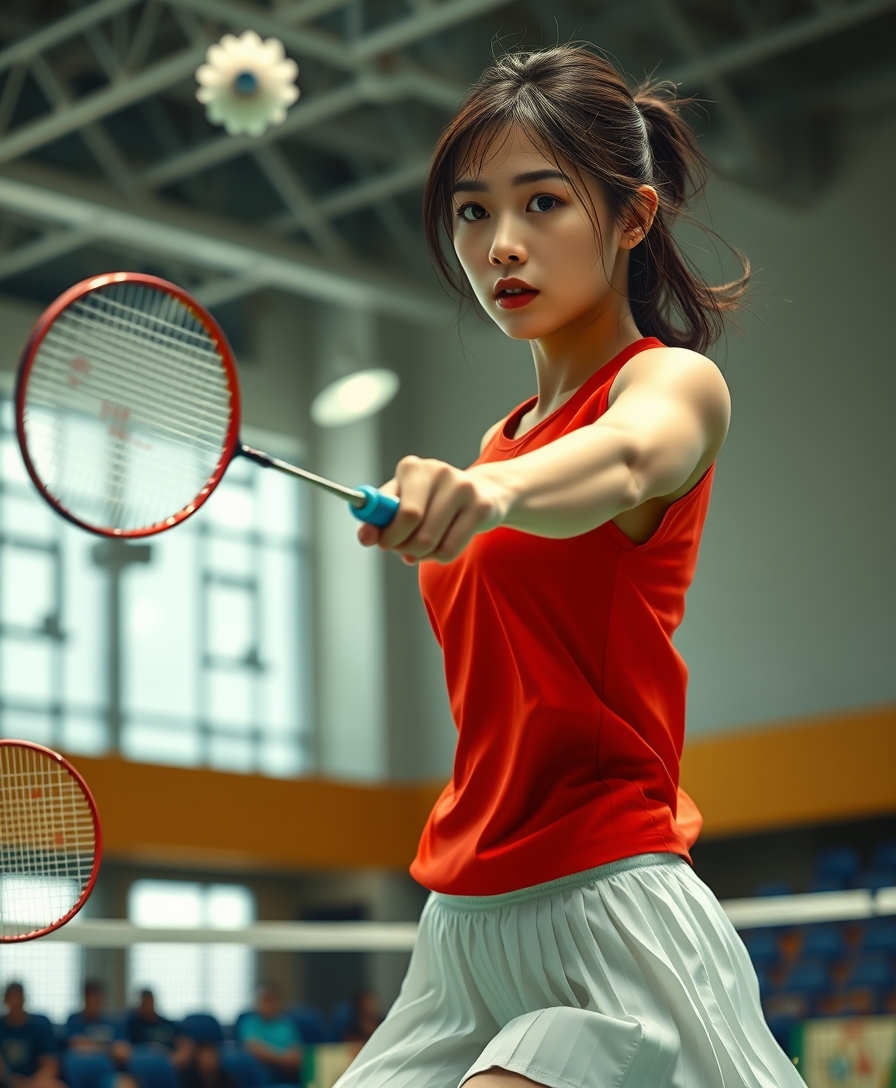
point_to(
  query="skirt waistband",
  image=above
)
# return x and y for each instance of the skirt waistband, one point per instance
(574, 880)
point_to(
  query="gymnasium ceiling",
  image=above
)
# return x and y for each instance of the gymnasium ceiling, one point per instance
(107, 159)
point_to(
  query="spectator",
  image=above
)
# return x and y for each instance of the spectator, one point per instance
(92, 1031)
(271, 1036)
(204, 1068)
(27, 1047)
(144, 1025)
(366, 1018)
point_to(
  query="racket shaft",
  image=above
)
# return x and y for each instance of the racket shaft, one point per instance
(353, 497)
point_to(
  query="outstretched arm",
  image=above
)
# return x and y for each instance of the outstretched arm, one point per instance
(668, 418)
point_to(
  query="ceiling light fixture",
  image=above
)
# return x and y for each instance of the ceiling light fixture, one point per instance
(353, 385)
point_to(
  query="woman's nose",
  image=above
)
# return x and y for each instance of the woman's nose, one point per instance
(506, 249)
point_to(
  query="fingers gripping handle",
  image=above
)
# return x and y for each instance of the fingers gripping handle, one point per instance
(379, 509)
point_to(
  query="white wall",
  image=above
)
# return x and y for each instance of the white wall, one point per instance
(350, 646)
(793, 611)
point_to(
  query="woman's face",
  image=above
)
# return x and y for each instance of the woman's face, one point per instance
(518, 218)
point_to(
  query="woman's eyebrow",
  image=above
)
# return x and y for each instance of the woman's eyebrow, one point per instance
(538, 175)
(468, 185)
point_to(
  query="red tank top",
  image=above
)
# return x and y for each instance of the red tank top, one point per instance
(567, 692)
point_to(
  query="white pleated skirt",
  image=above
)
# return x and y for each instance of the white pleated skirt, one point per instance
(626, 976)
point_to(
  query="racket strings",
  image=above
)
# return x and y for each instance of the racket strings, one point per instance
(198, 360)
(128, 407)
(48, 841)
(119, 387)
(125, 369)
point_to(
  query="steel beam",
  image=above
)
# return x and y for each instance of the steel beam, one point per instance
(305, 10)
(61, 30)
(48, 247)
(228, 289)
(423, 24)
(310, 111)
(782, 40)
(736, 117)
(309, 43)
(98, 141)
(359, 195)
(94, 106)
(220, 247)
(291, 190)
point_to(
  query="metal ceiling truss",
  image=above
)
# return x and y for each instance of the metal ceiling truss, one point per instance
(342, 73)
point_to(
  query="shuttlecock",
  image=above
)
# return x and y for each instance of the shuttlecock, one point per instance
(247, 83)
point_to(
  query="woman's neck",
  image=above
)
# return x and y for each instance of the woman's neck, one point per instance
(568, 357)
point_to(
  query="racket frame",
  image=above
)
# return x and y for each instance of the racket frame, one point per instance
(42, 327)
(18, 938)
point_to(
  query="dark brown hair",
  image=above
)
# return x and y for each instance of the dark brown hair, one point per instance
(578, 107)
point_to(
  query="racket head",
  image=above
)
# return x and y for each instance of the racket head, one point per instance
(127, 404)
(51, 841)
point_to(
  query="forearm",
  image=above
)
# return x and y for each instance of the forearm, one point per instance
(570, 486)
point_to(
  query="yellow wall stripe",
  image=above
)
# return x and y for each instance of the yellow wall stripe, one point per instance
(834, 768)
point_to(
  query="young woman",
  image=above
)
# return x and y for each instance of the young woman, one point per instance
(567, 940)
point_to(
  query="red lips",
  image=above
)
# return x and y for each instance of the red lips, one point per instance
(512, 293)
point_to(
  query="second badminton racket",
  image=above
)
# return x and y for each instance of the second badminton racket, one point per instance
(128, 409)
(50, 841)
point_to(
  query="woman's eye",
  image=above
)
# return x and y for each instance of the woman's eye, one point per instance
(544, 202)
(472, 212)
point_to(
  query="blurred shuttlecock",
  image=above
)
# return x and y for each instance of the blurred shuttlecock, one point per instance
(247, 83)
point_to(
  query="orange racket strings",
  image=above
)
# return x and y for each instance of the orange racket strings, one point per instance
(48, 842)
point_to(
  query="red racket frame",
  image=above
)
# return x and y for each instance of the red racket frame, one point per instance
(40, 330)
(98, 828)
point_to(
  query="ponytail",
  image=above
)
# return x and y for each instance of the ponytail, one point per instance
(662, 283)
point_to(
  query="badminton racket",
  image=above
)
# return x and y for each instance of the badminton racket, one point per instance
(50, 841)
(128, 409)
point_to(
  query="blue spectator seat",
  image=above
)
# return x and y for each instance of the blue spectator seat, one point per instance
(202, 1027)
(762, 946)
(774, 887)
(245, 1068)
(808, 976)
(838, 861)
(825, 942)
(341, 1019)
(870, 971)
(879, 935)
(151, 1067)
(827, 884)
(873, 879)
(884, 855)
(310, 1024)
(235, 1030)
(797, 999)
(782, 1026)
(766, 986)
(86, 1070)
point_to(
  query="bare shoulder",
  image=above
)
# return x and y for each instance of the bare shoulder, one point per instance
(680, 373)
(489, 435)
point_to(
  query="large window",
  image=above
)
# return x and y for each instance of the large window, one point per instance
(187, 978)
(50, 971)
(186, 648)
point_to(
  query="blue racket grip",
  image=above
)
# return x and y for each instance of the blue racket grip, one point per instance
(379, 509)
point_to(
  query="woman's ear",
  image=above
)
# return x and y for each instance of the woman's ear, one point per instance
(641, 218)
